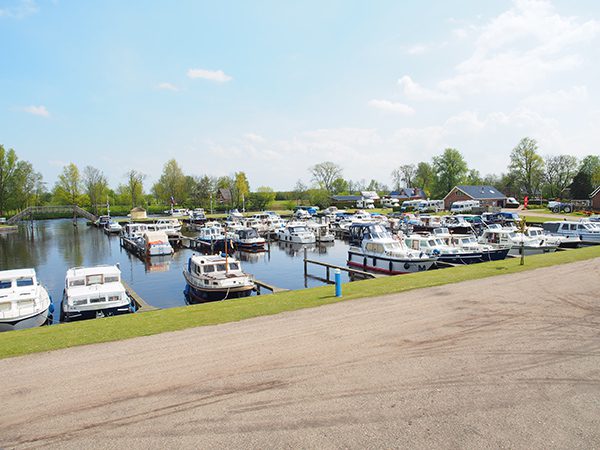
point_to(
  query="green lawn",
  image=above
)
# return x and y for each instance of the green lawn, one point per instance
(14, 343)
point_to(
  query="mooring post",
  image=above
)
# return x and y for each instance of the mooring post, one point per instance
(305, 263)
(327, 271)
(338, 283)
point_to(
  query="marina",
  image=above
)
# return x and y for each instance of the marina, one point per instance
(163, 264)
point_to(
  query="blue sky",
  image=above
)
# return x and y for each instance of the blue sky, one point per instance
(272, 88)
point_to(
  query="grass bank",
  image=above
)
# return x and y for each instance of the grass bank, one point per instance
(41, 339)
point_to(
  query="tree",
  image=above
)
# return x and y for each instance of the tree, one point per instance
(262, 198)
(587, 177)
(425, 177)
(95, 186)
(339, 186)
(325, 173)
(450, 169)
(319, 197)
(407, 174)
(300, 191)
(241, 188)
(8, 163)
(135, 186)
(559, 173)
(474, 177)
(170, 187)
(527, 166)
(68, 186)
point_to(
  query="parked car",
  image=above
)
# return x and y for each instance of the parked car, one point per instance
(511, 202)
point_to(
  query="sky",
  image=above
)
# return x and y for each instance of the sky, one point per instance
(271, 88)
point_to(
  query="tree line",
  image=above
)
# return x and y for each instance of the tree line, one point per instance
(528, 173)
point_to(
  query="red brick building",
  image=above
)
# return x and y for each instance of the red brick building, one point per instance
(595, 198)
(487, 195)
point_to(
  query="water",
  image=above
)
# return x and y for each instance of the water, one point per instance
(56, 245)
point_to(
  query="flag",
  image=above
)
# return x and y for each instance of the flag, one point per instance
(525, 201)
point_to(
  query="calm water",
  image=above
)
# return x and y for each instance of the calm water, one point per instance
(56, 245)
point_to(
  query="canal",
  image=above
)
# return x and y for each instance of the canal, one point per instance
(53, 246)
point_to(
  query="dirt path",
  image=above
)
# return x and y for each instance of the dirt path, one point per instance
(534, 213)
(511, 361)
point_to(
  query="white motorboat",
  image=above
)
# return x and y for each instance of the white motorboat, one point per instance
(216, 277)
(296, 232)
(321, 231)
(24, 302)
(469, 242)
(587, 231)
(156, 243)
(499, 237)
(112, 227)
(249, 240)
(379, 251)
(172, 227)
(134, 230)
(434, 246)
(92, 292)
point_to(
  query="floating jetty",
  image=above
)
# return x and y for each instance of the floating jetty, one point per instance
(140, 304)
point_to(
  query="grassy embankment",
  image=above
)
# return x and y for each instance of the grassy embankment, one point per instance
(14, 343)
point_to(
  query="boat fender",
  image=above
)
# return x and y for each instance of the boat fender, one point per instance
(51, 308)
(436, 252)
(406, 265)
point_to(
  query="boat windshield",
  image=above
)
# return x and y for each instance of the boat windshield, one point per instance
(534, 233)
(22, 282)
(393, 246)
(377, 231)
(234, 266)
(5, 284)
(298, 229)
(468, 240)
(512, 235)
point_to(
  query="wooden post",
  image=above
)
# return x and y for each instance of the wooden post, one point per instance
(327, 270)
(305, 263)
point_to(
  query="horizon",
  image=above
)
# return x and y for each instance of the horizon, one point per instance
(223, 90)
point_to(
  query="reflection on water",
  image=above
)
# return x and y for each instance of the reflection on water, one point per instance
(53, 246)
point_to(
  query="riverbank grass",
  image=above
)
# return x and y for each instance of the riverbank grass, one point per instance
(15, 343)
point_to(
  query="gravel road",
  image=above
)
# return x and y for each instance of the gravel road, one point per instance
(509, 361)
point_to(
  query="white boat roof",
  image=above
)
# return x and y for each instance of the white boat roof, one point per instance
(96, 270)
(16, 273)
(211, 259)
(153, 236)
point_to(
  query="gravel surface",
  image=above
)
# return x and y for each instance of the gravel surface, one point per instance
(510, 361)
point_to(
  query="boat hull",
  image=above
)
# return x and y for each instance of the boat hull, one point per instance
(71, 316)
(495, 255)
(466, 258)
(39, 319)
(528, 250)
(201, 295)
(388, 266)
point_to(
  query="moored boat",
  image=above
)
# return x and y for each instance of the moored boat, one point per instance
(24, 302)
(379, 251)
(92, 292)
(216, 277)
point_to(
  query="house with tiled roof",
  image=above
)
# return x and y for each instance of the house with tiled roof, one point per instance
(487, 195)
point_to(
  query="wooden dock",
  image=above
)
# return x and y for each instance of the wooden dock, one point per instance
(354, 273)
(270, 287)
(140, 303)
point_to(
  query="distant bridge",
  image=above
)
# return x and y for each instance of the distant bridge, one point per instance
(32, 211)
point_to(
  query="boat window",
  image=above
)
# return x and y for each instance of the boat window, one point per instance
(221, 267)
(80, 282)
(25, 303)
(512, 235)
(234, 266)
(5, 306)
(97, 300)
(111, 279)
(90, 280)
(22, 282)
(208, 269)
(114, 298)
(79, 302)
(5, 284)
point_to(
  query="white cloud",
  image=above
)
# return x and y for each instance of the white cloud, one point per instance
(513, 52)
(557, 101)
(167, 87)
(415, 91)
(394, 107)
(417, 49)
(213, 75)
(36, 110)
(255, 138)
(19, 10)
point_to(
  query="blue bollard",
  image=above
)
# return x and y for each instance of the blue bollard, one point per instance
(338, 283)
